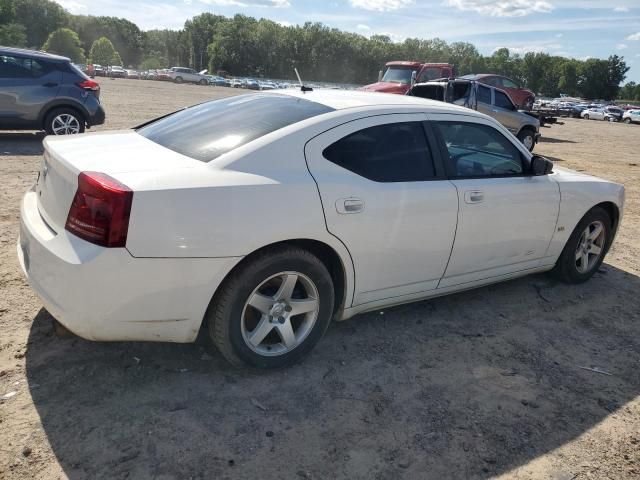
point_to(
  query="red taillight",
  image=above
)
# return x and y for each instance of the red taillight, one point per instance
(100, 210)
(89, 84)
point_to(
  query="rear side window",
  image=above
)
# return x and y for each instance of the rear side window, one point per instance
(395, 152)
(208, 130)
(21, 67)
(484, 94)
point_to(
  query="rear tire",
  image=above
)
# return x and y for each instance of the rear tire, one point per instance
(579, 260)
(586, 117)
(64, 121)
(253, 301)
(528, 138)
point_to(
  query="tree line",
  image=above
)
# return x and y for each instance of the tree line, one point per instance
(247, 46)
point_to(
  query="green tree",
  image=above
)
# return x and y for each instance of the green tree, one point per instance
(116, 60)
(39, 17)
(153, 63)
(64, 41)
(102, 51)
(13, 35)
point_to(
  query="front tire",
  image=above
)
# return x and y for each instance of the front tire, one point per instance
(203, 82)
(64, 121)
(627, 121)
(178, 80)
(273, 310)
(586, 117)
(586, 248)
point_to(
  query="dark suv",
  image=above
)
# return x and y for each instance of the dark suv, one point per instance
(40, 91)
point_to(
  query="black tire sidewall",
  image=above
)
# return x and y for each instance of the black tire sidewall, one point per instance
(566, 266)
(255, 274)
(527, 132)
(48, 123)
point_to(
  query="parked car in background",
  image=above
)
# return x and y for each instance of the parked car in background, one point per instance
(615, 112)
(267, 86)
(631, 116)
(597, 113)
(99, 71)
(489, 100)
(163, 75)
(188, 75)
(116, 71)
(398, 76)
(268, 286)
(218, 81)
(133, 74)
(236, 83)
(40, 91)
(250, 84)
(522, 97)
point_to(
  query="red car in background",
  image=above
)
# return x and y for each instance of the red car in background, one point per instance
(522, 97)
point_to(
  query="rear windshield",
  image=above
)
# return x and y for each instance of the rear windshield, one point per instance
(208, 130)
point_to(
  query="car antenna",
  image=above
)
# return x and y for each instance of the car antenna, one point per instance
(302, 87)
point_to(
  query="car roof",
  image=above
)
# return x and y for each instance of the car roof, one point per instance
(33, 53)
(343, 99)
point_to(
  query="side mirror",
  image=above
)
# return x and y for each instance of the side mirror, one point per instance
(414, 75)
(380, 75)
(541, 165)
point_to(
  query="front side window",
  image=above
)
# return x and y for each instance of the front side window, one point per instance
(208, 130)
(503, 101)
(477, 150)
(395, 152)
(484, 94)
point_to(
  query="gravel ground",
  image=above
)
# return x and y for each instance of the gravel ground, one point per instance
(477, 385)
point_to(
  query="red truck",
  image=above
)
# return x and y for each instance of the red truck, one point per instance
(399, 76)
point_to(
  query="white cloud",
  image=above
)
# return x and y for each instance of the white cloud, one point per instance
(559, 35)
(72, 6)
(251, 3)
(621, 9)
(380, 5)
(621, 46)
(362, 26)
(635, 36)
(502, 8)
(284, 23)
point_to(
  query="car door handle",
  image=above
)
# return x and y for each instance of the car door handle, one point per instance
(50, 84)
(349, 205)
(473, 196)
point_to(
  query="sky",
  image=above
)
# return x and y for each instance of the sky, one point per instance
(571, 28)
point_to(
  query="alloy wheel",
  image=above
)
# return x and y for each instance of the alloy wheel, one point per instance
(590, 246)
(65, 124)
(280, 313)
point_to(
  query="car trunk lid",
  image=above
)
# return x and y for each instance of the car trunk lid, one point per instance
(111, 153)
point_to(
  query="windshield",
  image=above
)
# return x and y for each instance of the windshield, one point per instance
(397, 74)
(208, 130)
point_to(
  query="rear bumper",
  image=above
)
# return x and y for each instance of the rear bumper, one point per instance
(106, 294)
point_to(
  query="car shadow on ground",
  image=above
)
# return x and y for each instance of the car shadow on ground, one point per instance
(21, 143)
(546, 139)
(466, 386)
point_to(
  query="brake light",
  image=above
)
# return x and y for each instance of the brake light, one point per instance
(100, 210)
(89, 84)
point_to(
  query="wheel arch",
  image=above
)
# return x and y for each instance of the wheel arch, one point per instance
(614, 212)
(337, 266)
(61, 104)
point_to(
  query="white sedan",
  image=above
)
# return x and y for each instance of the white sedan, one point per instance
(597, 114)
(267, 215)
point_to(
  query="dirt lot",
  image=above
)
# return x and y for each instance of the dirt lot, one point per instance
(477, 385)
